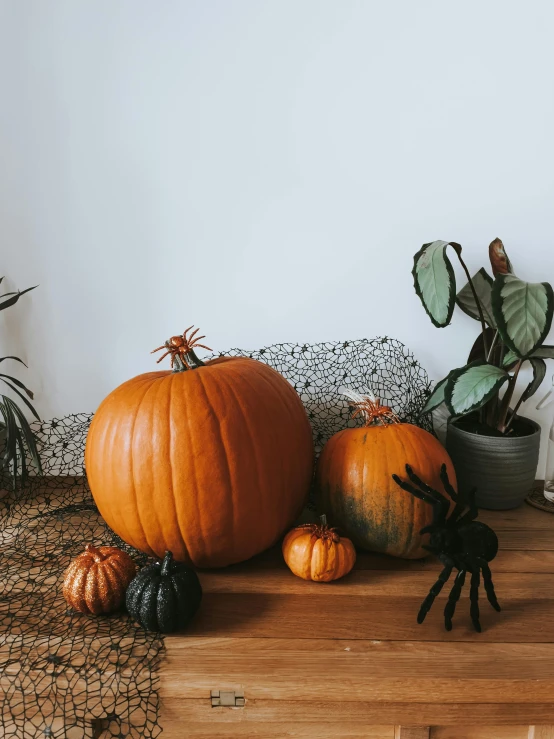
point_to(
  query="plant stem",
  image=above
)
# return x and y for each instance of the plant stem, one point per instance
(505, 407)
(493, 344)
(516, 408)
(514, 413)
(477, 302)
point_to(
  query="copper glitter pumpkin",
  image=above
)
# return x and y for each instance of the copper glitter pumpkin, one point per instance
(96, 581)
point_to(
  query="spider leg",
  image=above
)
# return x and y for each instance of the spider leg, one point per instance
(415, 491)
(474, 598)
(456, 512)
(163, 355)
(473, 511)
(429, 529)
(456, 497)
(439, 497)
(453, 598)
(184, 360)
(163, 346)
(489, 587)
(435, 590)
(447, 484)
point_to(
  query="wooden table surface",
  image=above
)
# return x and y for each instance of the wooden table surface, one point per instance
(348, 659)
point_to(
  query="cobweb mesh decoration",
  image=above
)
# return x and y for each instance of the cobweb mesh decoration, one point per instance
(319, 373)
(71, 676)
(64, 674)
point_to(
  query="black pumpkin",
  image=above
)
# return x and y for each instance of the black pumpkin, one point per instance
(164, 596)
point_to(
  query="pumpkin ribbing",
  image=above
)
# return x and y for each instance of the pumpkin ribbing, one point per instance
(317, 552)
(96, 579)
(354, 485)
(211, 463)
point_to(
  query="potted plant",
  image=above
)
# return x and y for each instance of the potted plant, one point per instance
(17, 440)
(492, 447)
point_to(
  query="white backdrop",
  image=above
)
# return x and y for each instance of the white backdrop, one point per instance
(264, 169)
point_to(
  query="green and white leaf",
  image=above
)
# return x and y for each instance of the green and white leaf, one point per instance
(436, 398)
(523, 312)
(470, 387)
(543, 352)
(482, 282)
(510, 358)
(434, 281)
(539, 372)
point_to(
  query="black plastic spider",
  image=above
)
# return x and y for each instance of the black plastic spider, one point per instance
(459, 541)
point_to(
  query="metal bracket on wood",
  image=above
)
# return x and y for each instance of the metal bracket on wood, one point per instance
(412, 732)
(230, 698)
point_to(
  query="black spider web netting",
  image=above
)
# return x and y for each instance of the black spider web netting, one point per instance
(70, 676)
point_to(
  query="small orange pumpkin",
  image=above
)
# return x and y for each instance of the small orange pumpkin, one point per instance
(316, 552)
(96, 580)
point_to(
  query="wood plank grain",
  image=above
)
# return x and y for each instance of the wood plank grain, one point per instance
(526, 539)
(479, 732)
(406, 658)
(510, 560)
(299, 669)
(282, 730)
(374, 582)
(524, 517)
(367, 617)
(198, 711)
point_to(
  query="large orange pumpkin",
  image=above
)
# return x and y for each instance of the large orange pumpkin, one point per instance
(355, 487)
(212, 461)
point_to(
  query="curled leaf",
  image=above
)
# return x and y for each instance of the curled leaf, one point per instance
(436, 398)
(500, 263)
(482, 283)
(539, 372)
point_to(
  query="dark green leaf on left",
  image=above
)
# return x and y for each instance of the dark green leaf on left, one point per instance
(14, 297)
(436, 398)
(482, 282)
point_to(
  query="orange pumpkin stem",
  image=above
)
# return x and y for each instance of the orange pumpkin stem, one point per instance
(372, 410)
(181, 350)
(94, 552)
(321, 530)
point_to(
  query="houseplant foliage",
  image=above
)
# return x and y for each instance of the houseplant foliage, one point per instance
(515, 318)
(19, 438)
(211, 460)
(354, 482)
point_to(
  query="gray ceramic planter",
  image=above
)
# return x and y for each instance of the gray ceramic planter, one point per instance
(502, 469)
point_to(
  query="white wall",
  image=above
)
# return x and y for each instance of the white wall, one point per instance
(264, 169)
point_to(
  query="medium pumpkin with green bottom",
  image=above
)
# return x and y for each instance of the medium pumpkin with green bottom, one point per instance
(354, 482)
